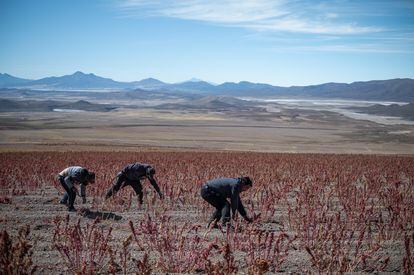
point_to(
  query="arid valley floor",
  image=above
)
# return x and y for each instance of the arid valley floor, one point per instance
(131, 129)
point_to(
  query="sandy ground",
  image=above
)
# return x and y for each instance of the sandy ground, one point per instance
(266, 132)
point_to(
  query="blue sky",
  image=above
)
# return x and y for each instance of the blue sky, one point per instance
(278, 42)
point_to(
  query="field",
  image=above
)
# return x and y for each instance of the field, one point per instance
(313, 213)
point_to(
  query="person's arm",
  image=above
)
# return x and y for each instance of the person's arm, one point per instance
(235, 199)
(236, 203)
(83, 192)
(155, 185)
(243, 212)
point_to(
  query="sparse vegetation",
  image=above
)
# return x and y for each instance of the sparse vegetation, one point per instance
(337, 213)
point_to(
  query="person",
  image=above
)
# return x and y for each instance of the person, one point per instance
(68, 177)
(217, 191)
(132, 175)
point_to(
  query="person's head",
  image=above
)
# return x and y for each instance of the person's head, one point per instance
(150, 171)
(91, 177)
(246, 183)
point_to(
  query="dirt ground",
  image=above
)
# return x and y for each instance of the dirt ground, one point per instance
(39, 207)
(126, 129)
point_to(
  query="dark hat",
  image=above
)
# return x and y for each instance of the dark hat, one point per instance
(150, 170)
(91, 175)
(246, 181)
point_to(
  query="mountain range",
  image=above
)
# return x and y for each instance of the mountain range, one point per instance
(392, 90)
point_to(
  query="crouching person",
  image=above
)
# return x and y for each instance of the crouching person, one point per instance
(217, 191)
(132, 175)
(71, 176)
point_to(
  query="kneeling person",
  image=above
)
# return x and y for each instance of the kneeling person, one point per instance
(68, 178)
(132, 175)
(217, 191)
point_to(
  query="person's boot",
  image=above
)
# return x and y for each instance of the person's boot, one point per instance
(71, 209)
(212, 225)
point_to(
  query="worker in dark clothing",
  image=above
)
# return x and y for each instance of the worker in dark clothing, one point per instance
(68, 177)
(132, 175)
(217, 191)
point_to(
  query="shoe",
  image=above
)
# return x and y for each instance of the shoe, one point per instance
(213, 226)
(63, 202)
(72, 209)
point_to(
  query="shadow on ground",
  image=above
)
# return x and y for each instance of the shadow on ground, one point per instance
(101, 215)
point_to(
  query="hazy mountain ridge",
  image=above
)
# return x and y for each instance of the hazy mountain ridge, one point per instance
(391, 90)
(395, 110)
(9, 80)
(7, 105)
(78, 80)
(216, 103)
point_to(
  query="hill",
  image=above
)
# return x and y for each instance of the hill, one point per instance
(216, 103)
(404, 111)
(7, 105)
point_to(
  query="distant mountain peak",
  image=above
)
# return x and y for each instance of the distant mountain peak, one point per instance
(193, 79)
(151, 80)
(79, 73)
(7, 80)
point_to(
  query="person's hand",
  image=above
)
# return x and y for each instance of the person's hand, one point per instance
(248, 219)
(161, 195)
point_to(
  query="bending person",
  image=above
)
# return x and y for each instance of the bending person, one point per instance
(68, 177)
(217, 191)
(132, 175)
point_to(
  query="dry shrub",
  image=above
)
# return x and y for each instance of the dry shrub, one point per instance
(408, 261)
(84, 250)
(177, 248)
(16, 254)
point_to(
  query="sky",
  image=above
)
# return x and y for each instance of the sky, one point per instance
(278, 42)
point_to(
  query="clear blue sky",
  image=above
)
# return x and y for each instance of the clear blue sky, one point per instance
(278, 42)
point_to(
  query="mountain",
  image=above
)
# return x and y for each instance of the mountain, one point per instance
(78, 80)
(391, 90)
(7, 80)
(405, 111)
(81, 81)
(194, 79)
(192, 86)
(149, 83)
(245, 88)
